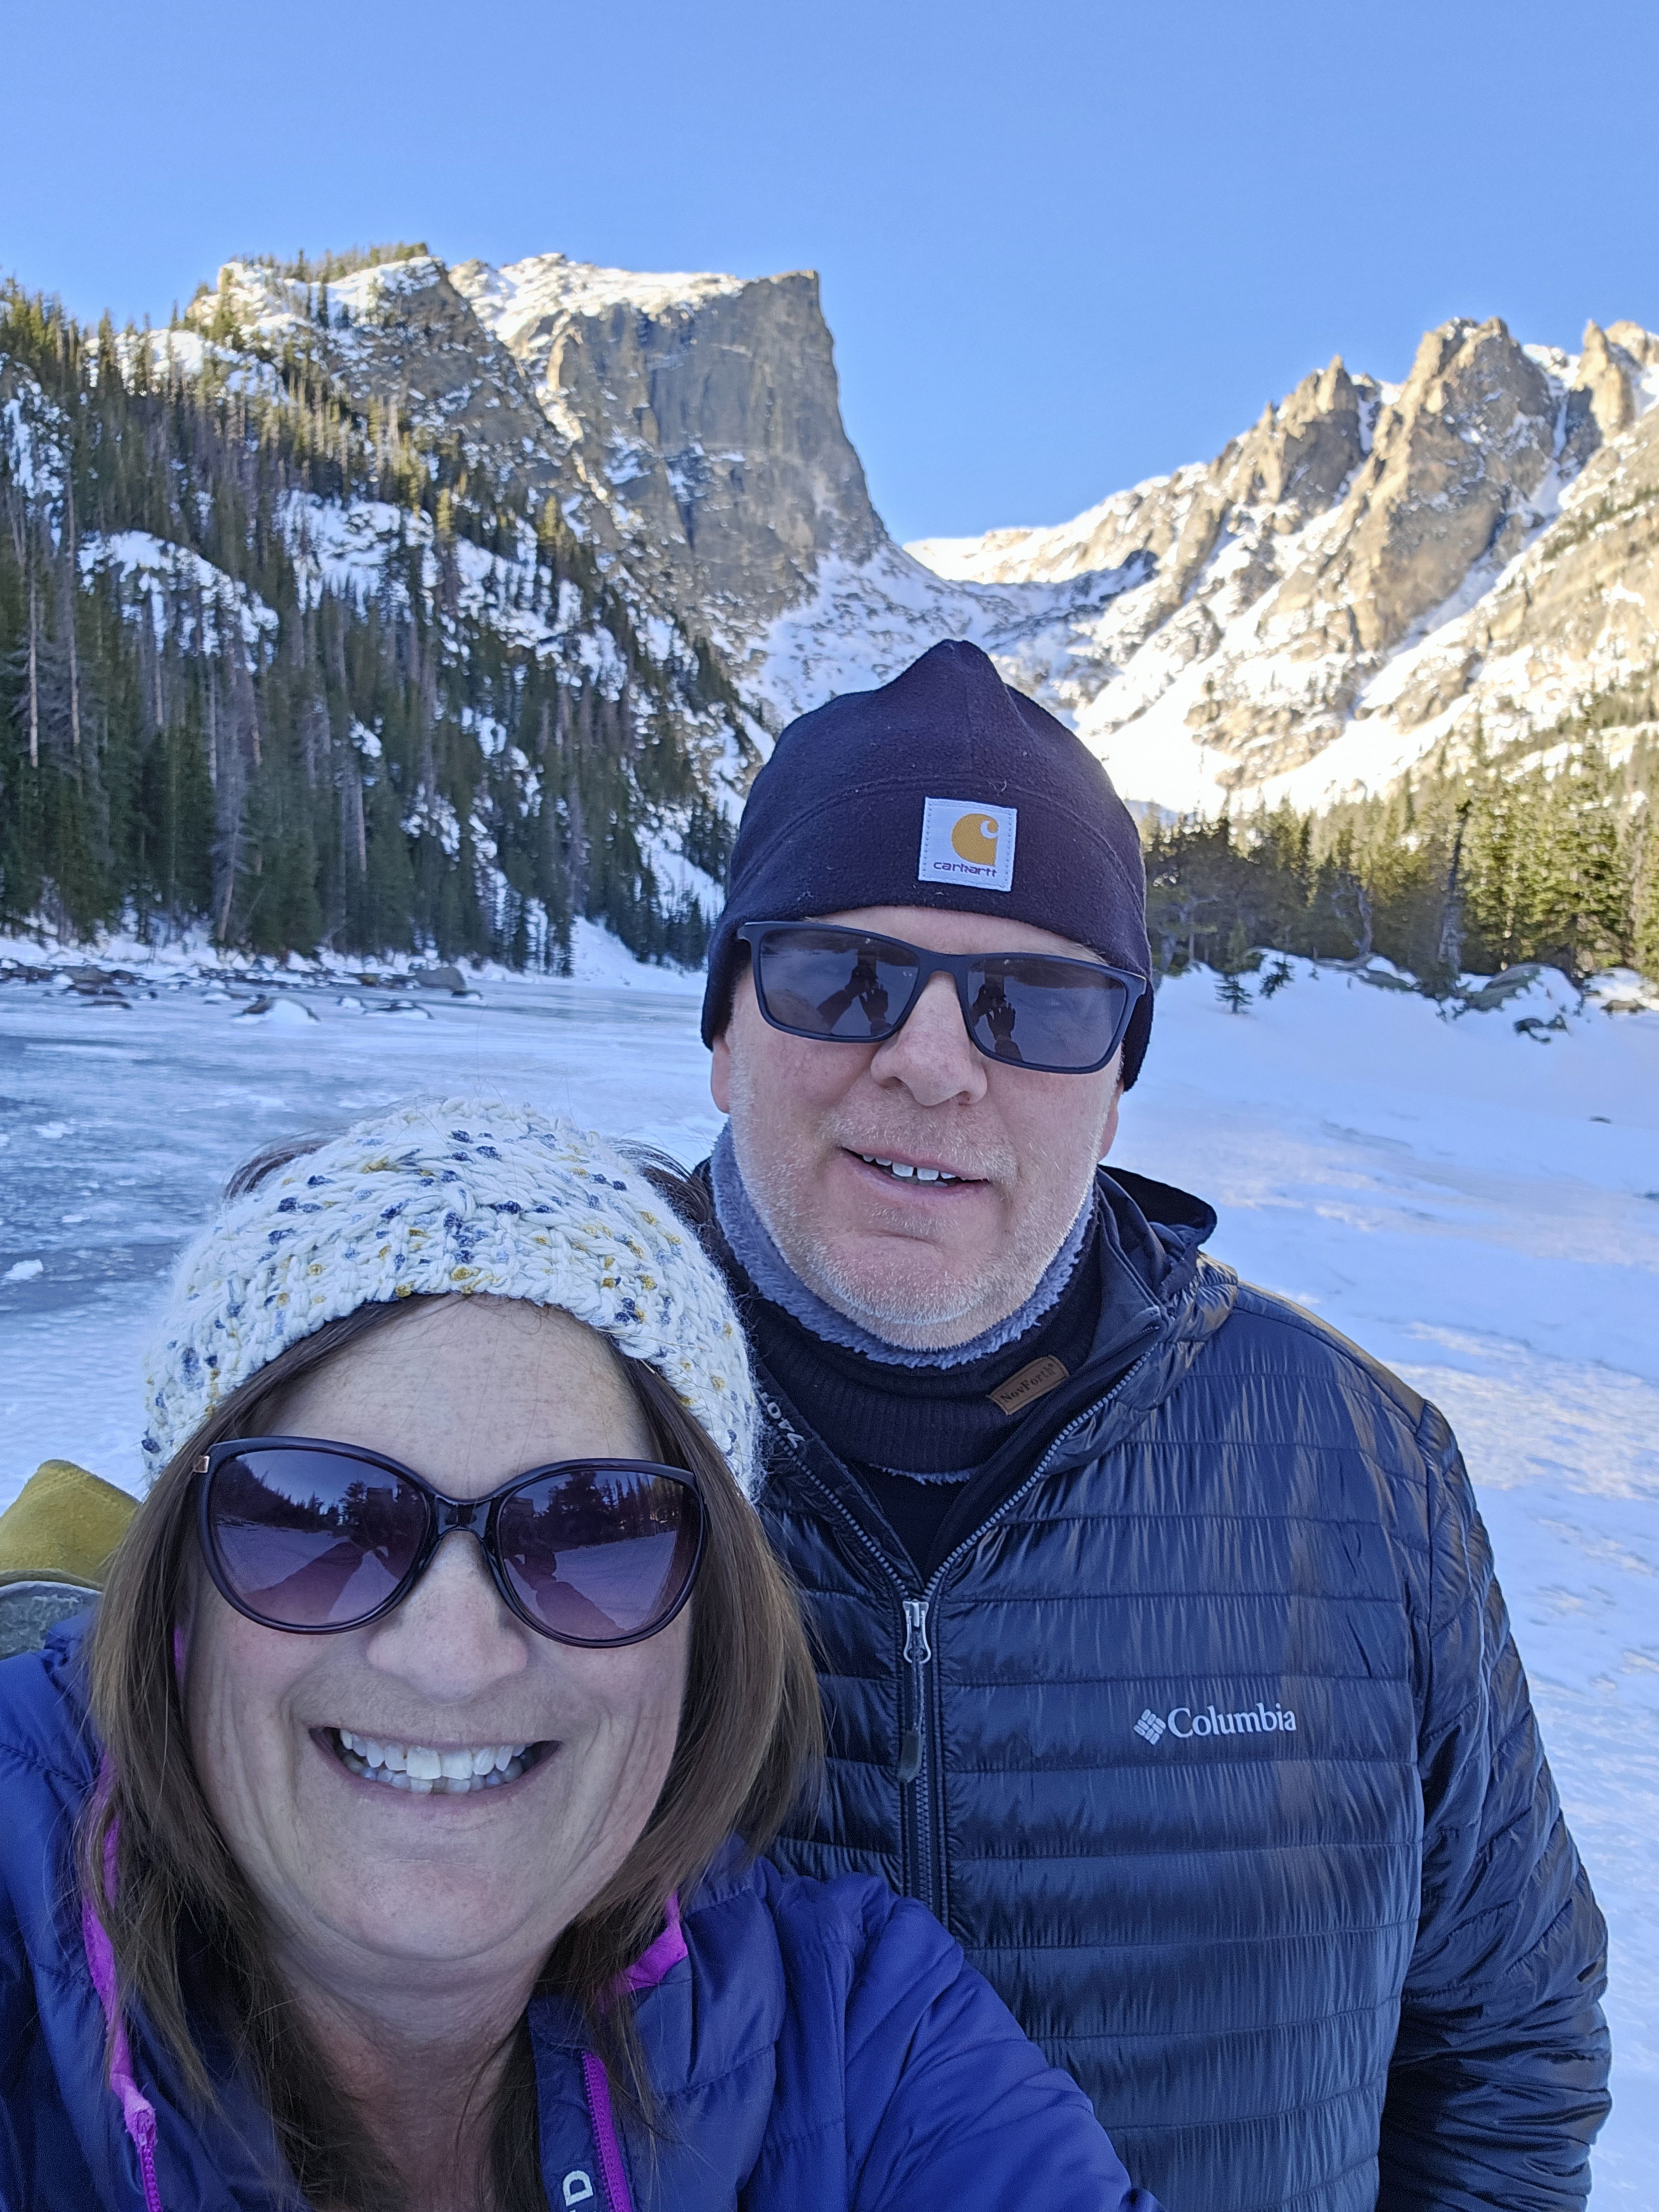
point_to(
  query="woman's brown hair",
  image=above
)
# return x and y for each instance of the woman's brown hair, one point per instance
(158, 1873)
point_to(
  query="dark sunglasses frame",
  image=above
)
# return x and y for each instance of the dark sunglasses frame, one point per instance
(478, 1516)
(960, 967)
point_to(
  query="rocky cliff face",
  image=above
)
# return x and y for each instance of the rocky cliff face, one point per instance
(702, 413)
(400, 336)
(687, 425)
(1369, 573)
(1366, 574)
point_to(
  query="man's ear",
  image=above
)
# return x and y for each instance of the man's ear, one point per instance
(719, 1073)
(1108, 1127)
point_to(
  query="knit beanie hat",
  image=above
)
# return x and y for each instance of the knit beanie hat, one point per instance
(942, 788)
(434, 1199)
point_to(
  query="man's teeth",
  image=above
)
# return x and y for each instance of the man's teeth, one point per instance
(909, 1174)
(425, 1772)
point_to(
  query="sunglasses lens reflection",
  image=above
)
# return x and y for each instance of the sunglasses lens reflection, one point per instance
(597, 1553)
(1027, 1009)
(831, 984)
(1055, 1014)
(312, 1539)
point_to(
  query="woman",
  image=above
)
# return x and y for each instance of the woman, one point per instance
(388, 1840)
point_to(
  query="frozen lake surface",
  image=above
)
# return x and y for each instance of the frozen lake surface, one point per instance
(1477, 1208)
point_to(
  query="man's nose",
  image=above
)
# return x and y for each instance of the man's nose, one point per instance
(453, 1636)
(931, 1056)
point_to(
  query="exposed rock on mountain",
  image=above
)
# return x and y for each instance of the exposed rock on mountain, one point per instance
(702, 415)
(297, 638)
(1369, 573)
(687, 429)
(398, 336)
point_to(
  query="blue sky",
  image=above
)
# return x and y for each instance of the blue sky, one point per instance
(1063, 246)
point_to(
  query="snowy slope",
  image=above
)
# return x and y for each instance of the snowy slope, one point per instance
(1367, 575)
(1360, 578)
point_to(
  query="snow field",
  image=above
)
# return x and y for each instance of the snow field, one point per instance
(1477, 1208)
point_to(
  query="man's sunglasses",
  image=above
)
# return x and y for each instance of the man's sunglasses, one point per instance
(314, 1537)
(1036, 1009)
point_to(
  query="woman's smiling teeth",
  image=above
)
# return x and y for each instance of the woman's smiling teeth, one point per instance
(428, 1773)
(909, 1174)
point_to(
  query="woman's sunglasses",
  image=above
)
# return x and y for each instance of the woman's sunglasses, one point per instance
(1035, 1009)
(314, 1537)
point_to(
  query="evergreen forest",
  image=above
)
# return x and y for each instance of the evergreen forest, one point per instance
(1471, 873)
(199, 725)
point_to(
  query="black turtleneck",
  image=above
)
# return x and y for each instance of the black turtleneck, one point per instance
(931, 1446)
(914, 1435)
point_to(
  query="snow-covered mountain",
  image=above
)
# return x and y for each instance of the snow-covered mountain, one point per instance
(1371, 575)
(309, 624)
(1368, 575)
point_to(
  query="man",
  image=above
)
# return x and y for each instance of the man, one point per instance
(1158, 1637)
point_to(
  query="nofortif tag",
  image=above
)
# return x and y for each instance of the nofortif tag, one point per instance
(965, 841)
(1030, 1384)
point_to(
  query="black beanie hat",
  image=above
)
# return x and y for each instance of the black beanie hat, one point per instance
(942, 788)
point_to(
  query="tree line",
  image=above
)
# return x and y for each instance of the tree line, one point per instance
(1465, 871)
(232, 735)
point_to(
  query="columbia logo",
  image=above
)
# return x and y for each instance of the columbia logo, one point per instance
(1184, 1721)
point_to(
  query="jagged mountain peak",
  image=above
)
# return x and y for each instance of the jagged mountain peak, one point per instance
(1305, 621)
(1290, 617)
(702, 412)
(395, 333)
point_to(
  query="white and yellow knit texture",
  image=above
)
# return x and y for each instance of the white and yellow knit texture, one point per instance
(457, 1195)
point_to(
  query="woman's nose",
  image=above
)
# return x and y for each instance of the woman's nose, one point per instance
(453, 1636)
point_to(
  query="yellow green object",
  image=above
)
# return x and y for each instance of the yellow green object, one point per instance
(61, 1526)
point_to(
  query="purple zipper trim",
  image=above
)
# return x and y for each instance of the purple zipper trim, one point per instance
(613, 2175)
(136, 2111)
(647, 1971)
(649, 1968)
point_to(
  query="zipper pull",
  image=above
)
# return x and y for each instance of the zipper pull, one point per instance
(917, 1649)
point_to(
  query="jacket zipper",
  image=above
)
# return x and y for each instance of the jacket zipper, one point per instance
(613, 2175)
(914, 1779)
(143, 2137)
(921, 1796)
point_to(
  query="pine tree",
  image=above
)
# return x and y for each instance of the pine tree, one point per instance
(1644, 900)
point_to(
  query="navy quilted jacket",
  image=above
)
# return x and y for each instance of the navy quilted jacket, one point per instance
(1209, 1743)
(815, 2047)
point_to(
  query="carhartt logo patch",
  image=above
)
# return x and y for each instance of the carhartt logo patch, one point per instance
(963, 843)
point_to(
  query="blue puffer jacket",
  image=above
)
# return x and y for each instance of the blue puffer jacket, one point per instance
(1208, 1741)
(813, 2045)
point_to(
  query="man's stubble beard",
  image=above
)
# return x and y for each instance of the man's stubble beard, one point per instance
(922, 1308)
